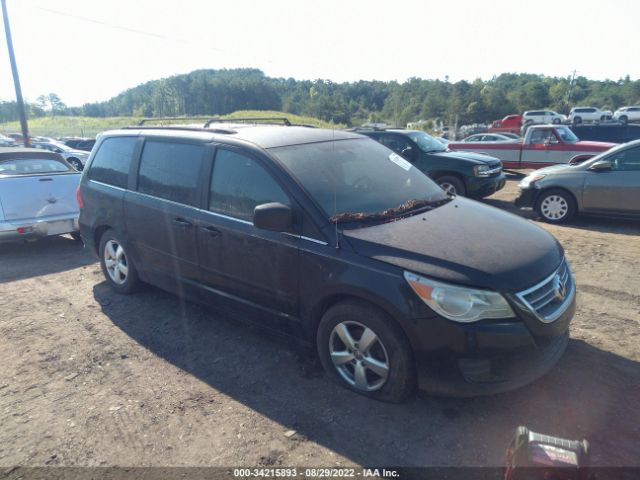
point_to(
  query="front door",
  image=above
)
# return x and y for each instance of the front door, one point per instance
(253, 266)
(542, 148)
(617, 189)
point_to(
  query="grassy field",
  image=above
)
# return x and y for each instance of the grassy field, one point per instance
(90, 126)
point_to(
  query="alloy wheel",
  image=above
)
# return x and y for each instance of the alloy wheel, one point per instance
(448, 188)
(115, 261)
(359, 356)
(554, 207)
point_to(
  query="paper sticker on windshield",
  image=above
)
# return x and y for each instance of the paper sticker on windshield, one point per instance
(398, 160)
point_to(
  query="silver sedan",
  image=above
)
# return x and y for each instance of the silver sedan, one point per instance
(607, 184)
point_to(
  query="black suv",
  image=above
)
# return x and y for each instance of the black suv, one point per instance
(460, 173)
(339, 241)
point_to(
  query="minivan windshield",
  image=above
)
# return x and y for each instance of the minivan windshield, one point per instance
(359, 179)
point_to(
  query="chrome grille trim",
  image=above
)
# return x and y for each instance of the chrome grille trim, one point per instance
(541, 299)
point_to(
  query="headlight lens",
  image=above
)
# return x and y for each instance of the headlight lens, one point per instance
(528, 180)
(459, 304)
(481, 170)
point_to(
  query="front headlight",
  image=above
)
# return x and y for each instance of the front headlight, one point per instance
(481, 170)
(459, 304)
(528, 180)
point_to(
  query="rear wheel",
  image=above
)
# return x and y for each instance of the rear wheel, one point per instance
(556, 206)
(451, 185)
(116, 264)
(363, 350)
(75, 163)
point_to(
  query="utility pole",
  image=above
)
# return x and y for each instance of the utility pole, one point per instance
(571, 83)
(16, 78)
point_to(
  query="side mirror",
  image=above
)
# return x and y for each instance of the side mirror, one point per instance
(273, 216)
(601, 166)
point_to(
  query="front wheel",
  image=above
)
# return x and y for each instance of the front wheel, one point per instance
(577, 120)
(451, 185)
(117, 267)
(624, 119)
(363, 350)
(556, 121)
(556, 206)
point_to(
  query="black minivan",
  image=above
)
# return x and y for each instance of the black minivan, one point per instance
(338, 241)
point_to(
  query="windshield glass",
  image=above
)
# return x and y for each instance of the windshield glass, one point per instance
(426, 143)
(31, 166)
(567, 135)
(358, 177)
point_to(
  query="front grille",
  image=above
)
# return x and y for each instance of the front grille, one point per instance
(550, 298)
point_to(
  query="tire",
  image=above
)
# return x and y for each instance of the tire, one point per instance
(577, 120)
(393, 376)
(123, 280)
(452, 185)
(75, 163)
(556, 121)
(624, 119)
(556, 206)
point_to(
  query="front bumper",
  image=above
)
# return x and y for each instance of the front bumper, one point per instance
(490, 357)
(478, 187)
(25, 230)
(527, 198)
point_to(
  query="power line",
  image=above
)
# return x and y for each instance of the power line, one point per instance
(126, 29)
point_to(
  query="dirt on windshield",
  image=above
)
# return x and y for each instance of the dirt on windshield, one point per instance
(92, 378)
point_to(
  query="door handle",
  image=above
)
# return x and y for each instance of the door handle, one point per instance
(46, 179)
(182, 223)
(212, 231)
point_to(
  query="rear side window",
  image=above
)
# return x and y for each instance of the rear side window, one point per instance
(29, 166)
(111, 163)
(239, 184)
(171, 171)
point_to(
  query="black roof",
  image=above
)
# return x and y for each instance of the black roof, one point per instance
(265, 136)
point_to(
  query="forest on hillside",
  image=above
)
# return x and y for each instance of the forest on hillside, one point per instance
(218, 92)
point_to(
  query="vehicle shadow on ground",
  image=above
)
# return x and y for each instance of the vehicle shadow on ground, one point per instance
(587, 395)
(624, 226)
(53, 254)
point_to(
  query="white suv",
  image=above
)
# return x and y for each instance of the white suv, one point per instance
(588, 114)
(531, 117)
(627, 114)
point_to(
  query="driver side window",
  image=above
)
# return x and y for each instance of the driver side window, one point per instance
(628, 160)
(398, 144)
(239, 184)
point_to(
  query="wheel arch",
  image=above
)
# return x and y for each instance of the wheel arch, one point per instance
(557, 187)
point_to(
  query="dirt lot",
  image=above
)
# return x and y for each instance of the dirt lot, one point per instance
(88, 377)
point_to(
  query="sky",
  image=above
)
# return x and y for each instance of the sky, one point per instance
(91, 50)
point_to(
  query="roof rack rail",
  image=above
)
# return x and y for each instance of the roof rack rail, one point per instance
(175, 127)
(273, 120)
(164, 119)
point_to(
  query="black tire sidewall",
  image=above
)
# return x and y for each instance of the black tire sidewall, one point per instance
(571, 203)
(402, 377)
(131, 283)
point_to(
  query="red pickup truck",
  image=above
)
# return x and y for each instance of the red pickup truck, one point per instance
(511, 123)
(542, 146)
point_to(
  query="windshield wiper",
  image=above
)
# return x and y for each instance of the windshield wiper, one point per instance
(415, 205)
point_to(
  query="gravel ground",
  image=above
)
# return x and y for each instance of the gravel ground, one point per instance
(92, 378)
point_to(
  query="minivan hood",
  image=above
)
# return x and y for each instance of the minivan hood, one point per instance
(478, 158)
(464, 242)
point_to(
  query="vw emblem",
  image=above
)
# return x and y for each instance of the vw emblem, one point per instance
(559, 289)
